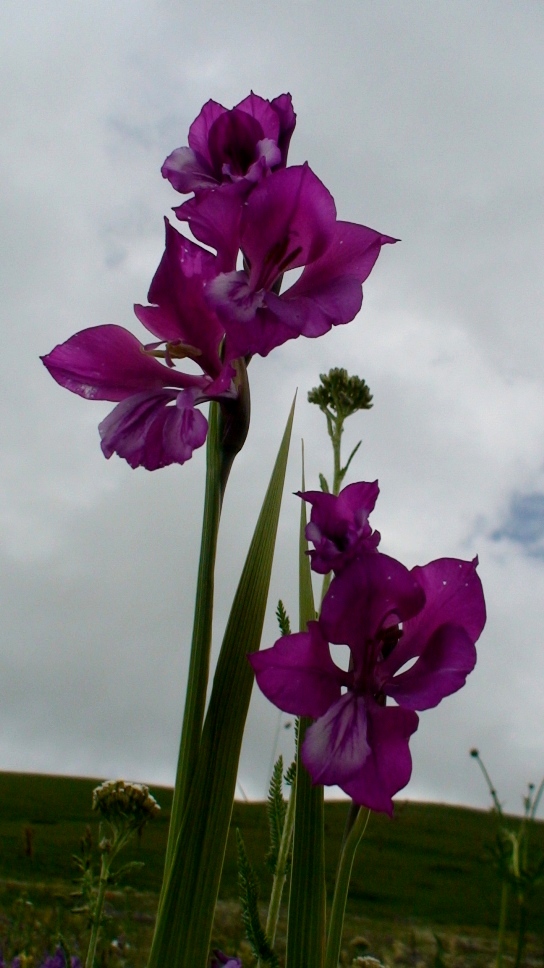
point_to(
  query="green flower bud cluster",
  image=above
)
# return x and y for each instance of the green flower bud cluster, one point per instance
(125, 805)
(340, 393)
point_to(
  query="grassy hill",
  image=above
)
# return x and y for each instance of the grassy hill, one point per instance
(427, 871)
(430, 863)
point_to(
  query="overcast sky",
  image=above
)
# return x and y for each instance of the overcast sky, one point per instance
(424, 119)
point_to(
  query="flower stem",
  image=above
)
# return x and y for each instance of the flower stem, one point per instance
(335, 427)
(522, 927)
(502, 923)
(197, 681)
(97, 915)
(185, 917)
(281, 868)
(341, 888)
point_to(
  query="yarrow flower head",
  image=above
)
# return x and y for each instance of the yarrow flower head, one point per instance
(388, 616)
(126, 806)
(254, 212)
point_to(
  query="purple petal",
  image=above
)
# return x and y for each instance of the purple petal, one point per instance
(148, 431)
(441, 670)
(232, 143)
(283, 106)
(328, 293)
(214, 219)
(250, 325)
(339, 525)
(369, 593)
(199, 132)
(181, 310)
(289, 220)
(389, 766)
(297, 674)
(109, 363)
(336, 746)
(220, 958)
(186, 171)
(264, 113)
(352, 252)
(454, 594)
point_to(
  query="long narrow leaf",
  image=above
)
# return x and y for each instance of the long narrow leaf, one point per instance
(197, 680)
(183, 932)
(306, 921)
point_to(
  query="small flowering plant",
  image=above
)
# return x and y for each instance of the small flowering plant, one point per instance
(218, 297)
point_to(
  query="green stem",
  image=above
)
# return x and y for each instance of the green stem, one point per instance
(336, 429)
(341, 888)
(307, 896)
(281, 868)
(522, 927)
(189, 896)
(502, 923)
(197, 681)
(97, 915)
(337, 446)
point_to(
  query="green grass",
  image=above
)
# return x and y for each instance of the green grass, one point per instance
(428, 867)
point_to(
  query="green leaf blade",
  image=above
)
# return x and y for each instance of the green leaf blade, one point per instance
(186, 915)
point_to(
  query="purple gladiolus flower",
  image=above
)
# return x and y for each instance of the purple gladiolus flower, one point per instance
(155, 422)
(388, 616)
(287, 222)
(339, 527)
(238, 147)
(251, 210)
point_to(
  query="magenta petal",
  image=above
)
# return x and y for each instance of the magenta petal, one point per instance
(352, 253)
(339, 525)
(181, 311)
(389, 766)
(454, 594)
(289, 220)
(214, 219)
(328, 293)
(283, 106)
(232, 143)
(186, 172)
(441, 670)
(109, 363)
(199, 132)
(297, 674)
(148, 431)
(263, 112)
(335, 747)
(250, 325)
(370, 590)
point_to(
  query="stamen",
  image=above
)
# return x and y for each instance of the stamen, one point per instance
(174, 350)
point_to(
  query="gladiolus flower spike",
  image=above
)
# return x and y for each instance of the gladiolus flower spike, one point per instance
(388, 616)
(251, 208)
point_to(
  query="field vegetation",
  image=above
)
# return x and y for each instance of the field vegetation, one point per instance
(424, 888)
